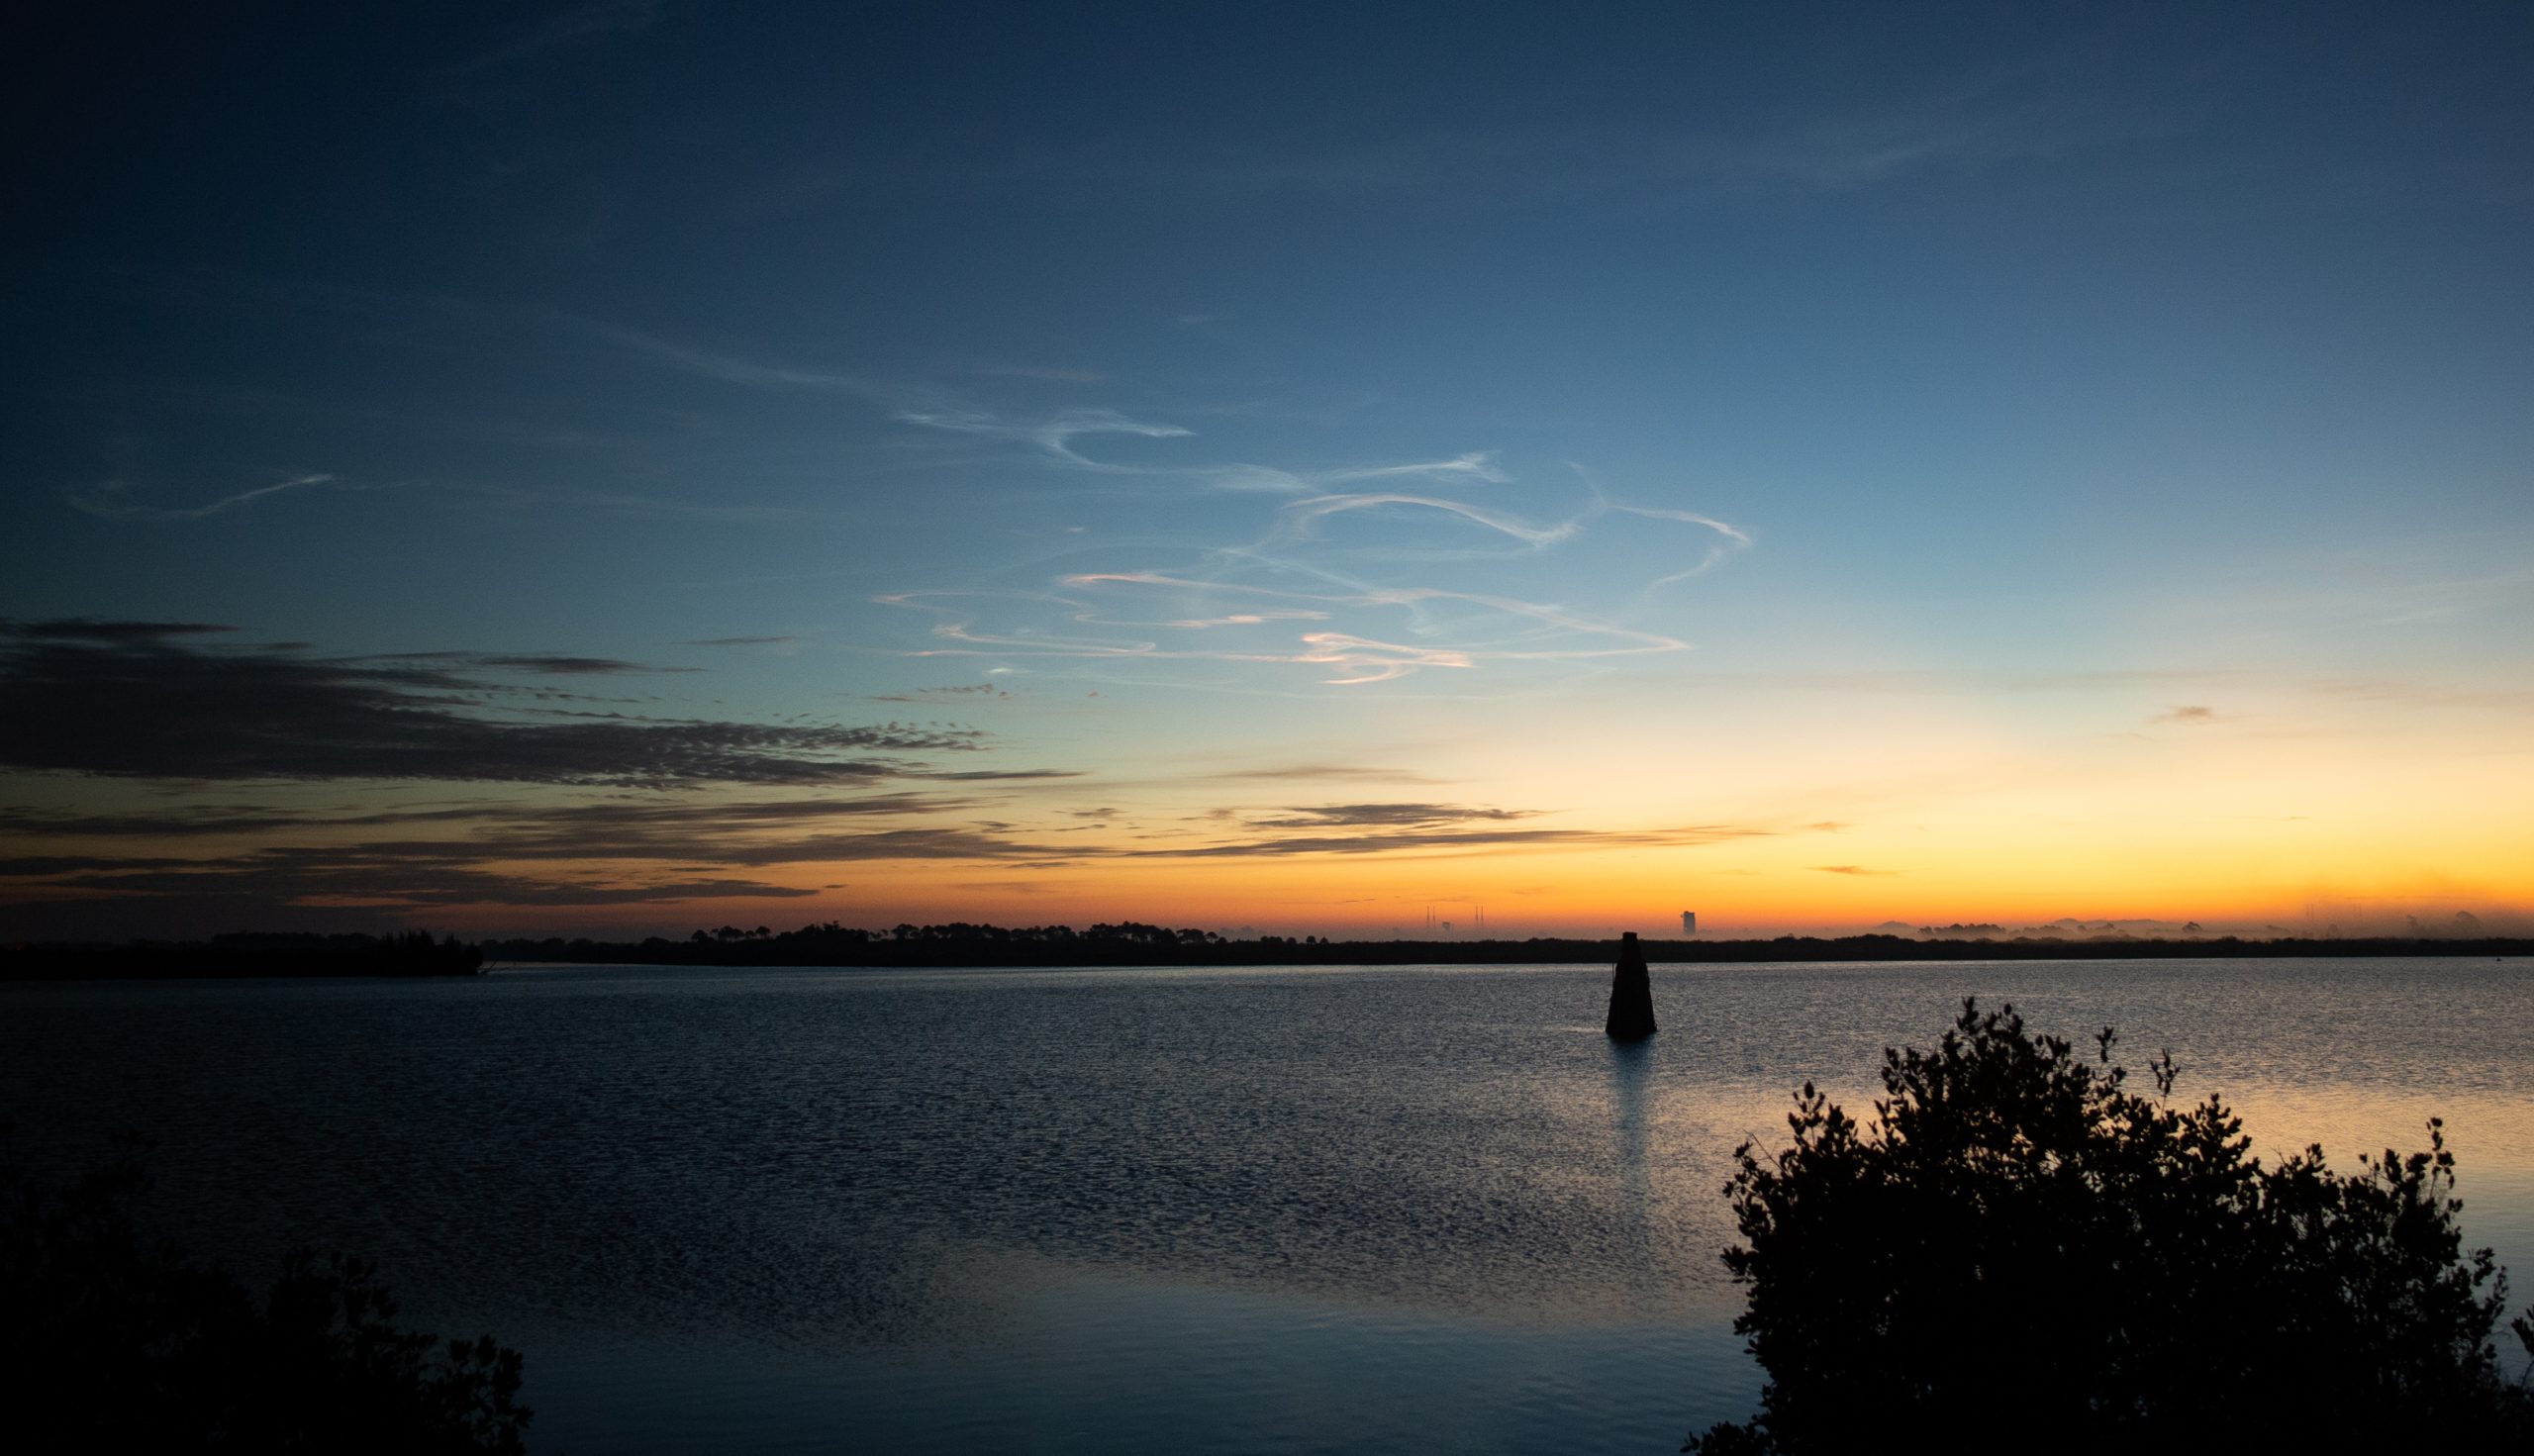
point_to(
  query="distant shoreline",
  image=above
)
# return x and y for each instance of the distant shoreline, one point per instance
(416, 955)
(1085, 951)
(242, 957)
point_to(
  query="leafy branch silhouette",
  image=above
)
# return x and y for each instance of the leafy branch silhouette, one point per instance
(2022, 1250)
(112, 1339)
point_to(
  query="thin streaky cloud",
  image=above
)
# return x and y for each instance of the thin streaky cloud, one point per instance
(1394, 816)
(1300, 515)
(1255, 479)
(1404, 597)
(1200, 623)
(107, 499)
(1454, 841)
(1736, 539)
(1053, 436)
(1353, 657)
(730, 369)
(554, 664)
(737, 514)
(663, 828)
(1602, 502)
(1703, 565)
(487, 865)
(1329, 771)
(1693, 517)
(1244, 619)
(1369, 660)
(1475, 465)
(1442, 630)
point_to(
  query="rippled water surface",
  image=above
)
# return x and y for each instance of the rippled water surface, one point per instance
(1273, 1210)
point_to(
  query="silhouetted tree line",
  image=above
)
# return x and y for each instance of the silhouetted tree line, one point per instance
(959, 943)
(411, 953)
(1132, 943)
(1129, 944)
(2022, 1253)
(114, 1341)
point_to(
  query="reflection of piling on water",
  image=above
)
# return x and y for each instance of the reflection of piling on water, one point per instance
(1631, 993)
(1631, 1254)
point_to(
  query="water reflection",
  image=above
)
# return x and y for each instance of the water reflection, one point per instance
(924, 1189)
(1632, 1069)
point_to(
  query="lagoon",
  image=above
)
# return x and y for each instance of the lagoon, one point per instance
(1250, 1209)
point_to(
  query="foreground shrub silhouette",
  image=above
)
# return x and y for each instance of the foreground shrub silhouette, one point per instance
(113, 1340)
(2022, 1252)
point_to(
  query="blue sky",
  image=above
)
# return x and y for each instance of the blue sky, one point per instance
(1673, 429)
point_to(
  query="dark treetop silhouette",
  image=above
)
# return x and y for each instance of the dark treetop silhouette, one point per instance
(417, 953)
(1133, 943)
(2022, 1252)
(113, 1340)
(1631, 1015)
(409, 953)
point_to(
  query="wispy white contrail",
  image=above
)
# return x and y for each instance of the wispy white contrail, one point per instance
(1054, 436)
(107, 500)
(1357, 659)
(733, 369)
(1301, 514)
(1475, 465)
(1659, 513)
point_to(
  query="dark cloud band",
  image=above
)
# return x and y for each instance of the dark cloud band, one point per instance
(138, 700)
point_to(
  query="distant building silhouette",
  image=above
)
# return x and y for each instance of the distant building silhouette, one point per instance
(1689, 922)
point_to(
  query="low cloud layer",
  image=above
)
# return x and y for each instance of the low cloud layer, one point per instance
(542, 798)
(248, 864)
(1384, 816)
(143, 700)
(1455, 840)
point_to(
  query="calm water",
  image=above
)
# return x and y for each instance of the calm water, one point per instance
(1270, 1210)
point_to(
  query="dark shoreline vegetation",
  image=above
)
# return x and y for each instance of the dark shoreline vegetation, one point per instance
(228, 957)
(1154, 945)
(959, 945)
(2017, 1250)
(116, 1340)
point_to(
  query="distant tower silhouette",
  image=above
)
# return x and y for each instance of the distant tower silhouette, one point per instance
(1689, 922)
(1631, 995)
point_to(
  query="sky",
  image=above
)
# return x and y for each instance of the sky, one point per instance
(624, 468)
